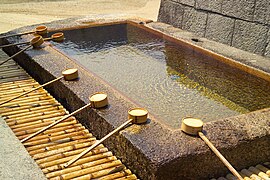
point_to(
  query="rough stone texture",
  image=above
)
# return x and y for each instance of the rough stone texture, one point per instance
(262, 11)
(255, 16)
(209, 5)
(219, 28)
(242, 9)
(153, 151)
(16, 163)
(186, 2)
(172, 13)
(267, 49)
(250, 36)
(194, 21)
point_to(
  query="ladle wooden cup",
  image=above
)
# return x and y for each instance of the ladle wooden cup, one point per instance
(57, 37)
(68, 75)
(194, 126)
(135, 115)
(97, 100)
(40, 30)
(35, 42)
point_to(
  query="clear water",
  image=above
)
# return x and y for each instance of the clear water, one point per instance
(172, 82)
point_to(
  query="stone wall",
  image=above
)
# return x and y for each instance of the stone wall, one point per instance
(243, 24)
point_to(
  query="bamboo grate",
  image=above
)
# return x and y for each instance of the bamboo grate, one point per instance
(258, 172)
(61, 143)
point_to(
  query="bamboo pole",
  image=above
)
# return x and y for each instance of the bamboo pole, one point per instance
(50, 120)
(130, 177)
(27, 92)
(98, 160)
(63, 149)
(219, 155)
(53, 124)
(99, 142)
(18, 111)
(47, 161)
(29, 96)
(116, 175)
(37, 112)
(44, 124)
(36, 118)
(54, 129)
(244, 176)
(17, 82)
(43, 136)
(105, 172)
(88, 170)
(24, 49)
(56, 139)
(59, 162)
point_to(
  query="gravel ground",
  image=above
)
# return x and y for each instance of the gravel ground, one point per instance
(17, 13)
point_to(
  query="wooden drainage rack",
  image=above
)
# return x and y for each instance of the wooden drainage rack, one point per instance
(58, 145)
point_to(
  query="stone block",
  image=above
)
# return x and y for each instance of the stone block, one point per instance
(267, 50)
(250, 36)
(187, 2)
(219, 28)
(209, 5)
(242, 9)
(262, 11)
(194, 21)
(171, 13)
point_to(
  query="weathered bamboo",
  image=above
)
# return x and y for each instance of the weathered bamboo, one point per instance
(98, 142)
(88, 170)
(12, 94)
(264, 169)
(51, 152)
(231, 177)
(29, 104)
(92, 162)
(244, 176)
(47, 110)
(19, 86)
(115, 175)
(18, 111)
(35, 95)
(53, 119)
(59, 162)
(44, 124)
(47, 160)
(53, 145)
(43, 136)
(18, 78)
(54, 129)
(74, 136)
(105, 172)
(35, 119)
(259, 173)
(250, 174)
(29, 91)
(30, 80)
(52, 132)
(56, 122)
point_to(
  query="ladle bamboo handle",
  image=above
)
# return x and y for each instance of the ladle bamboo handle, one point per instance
(15, 55)
(19, 34)
(220, 156)
(97, 143)
(27, 92)
(55, 123)
(8, 45)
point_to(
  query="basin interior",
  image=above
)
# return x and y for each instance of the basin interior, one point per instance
(170, 80)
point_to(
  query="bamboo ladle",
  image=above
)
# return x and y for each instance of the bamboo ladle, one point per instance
(40, 30)
(68, 75)
(135, 115)
(35, 42)
(97, 100)
(194, 126)
(57, 37)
